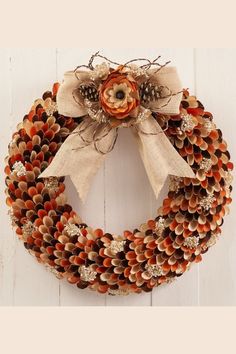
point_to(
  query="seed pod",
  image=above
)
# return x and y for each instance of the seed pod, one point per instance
(149, 92)
(89, 92)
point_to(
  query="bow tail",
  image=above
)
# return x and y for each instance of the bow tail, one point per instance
(77, 160)
(159, 157)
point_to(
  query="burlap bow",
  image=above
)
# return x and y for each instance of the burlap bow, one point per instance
(83, 152)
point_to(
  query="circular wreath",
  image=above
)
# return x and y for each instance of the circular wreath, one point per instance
(159, 250)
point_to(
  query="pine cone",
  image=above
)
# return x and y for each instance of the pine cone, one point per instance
(149, 92)
(89, 92)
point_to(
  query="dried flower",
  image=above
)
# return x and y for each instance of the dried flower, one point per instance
(51, 183)
(123, 292)
(19, 168)
(87, 273)
(191, 242)
(205, 164)
(144, 113)
(12, 217)
(116, 246)
(27, 229)
(53, 271)
(188, 122)
(72, 229)
(175, 183)
(134, 70)
(101, 71)
(154, 270)
(208, 124)
(50, 106)
(206, 202)
(118, 95)
(160, 226)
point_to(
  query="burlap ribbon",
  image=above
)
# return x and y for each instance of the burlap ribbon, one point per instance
(79, 157)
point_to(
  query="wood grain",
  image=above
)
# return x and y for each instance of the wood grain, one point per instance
(7, 239)
(31, 285)
(216, 87)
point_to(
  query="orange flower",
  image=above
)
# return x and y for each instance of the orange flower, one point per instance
(119, 95)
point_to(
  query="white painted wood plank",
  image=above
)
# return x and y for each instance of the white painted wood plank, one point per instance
(7, 238)
(216, 88)
(143, 299)
(183, 291)
(127, 186)
(70, 295)
(34, 284)
(33, 72)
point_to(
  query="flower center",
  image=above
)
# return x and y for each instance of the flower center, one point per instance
(120, 95)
